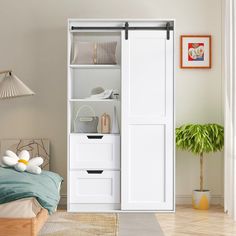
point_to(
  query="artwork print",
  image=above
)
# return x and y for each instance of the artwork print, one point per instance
(195, 51)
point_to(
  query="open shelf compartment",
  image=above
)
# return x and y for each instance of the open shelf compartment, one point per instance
(99, 109)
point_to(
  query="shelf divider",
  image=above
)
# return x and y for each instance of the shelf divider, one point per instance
(93, 100)
(100, 66)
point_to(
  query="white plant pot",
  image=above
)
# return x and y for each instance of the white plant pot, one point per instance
(201, 199)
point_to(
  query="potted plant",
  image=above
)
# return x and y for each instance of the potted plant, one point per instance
(200, 139)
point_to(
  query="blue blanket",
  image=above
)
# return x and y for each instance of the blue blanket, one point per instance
(44, 187)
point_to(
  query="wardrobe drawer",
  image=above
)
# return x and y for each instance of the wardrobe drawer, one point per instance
(95, 186)
(94, 151)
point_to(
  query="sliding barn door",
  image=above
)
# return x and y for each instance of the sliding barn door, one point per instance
(147, 121)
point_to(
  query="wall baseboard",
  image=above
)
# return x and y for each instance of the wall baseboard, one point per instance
(187, 199)
(63, 200)
(180, 200)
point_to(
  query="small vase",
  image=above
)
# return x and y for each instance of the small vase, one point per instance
(201, 199)
(115, 125)
(105, 124)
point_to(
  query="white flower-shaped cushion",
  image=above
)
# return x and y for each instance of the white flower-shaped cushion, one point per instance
(23, 162)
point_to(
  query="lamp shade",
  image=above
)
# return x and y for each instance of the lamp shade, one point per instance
(11, 86)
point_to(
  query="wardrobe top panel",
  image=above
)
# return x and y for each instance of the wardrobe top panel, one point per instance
(119, 22)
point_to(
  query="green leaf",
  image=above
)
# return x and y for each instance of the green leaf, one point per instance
(200, 138)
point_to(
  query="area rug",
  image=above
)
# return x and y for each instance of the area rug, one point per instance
(63, 223)
(139, 224)
(79, 224)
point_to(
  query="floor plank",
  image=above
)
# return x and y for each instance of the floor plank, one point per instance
(188, 221)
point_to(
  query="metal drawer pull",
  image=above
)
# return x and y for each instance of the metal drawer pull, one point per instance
(94, 136)
(94, 171)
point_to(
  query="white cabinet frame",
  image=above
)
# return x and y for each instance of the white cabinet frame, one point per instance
(159, 124)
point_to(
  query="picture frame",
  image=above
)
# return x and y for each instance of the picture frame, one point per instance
(195, 51)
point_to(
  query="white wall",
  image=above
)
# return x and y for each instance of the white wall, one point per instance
(33, 44)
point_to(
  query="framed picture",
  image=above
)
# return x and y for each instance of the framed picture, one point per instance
(195, 51)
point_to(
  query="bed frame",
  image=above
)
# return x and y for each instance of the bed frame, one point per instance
(25, 226)
(21, 226)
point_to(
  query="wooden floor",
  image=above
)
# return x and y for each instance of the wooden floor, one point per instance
(187, 221)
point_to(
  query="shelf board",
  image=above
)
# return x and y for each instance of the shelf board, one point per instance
(95, 134)
(102, 66)
(94, 100)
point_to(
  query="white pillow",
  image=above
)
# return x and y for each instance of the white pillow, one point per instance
(94, 52)
(22, 162)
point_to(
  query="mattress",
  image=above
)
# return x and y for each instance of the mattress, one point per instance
(16, 185)
(22, 208)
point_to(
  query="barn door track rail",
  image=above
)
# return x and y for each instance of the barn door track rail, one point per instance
(126, 27)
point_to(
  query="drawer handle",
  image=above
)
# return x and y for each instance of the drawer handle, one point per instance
(94, 136)
(94, 171)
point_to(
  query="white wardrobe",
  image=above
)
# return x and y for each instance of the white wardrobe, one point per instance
(133, 169)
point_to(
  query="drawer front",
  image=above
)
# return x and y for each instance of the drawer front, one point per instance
(94, 151)
(94, 186)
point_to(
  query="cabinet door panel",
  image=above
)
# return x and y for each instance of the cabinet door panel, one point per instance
(147, 121)
(147, 153)
(147, 66)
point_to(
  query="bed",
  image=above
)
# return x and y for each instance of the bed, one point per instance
(24, 214)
